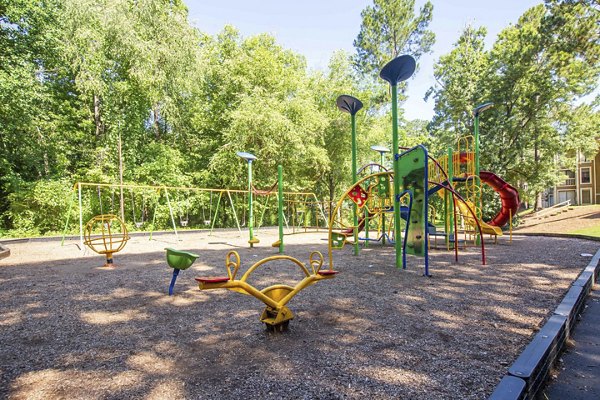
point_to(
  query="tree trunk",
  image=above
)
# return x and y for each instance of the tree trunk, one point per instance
(98, 117)
(538, 201)
(155, 112)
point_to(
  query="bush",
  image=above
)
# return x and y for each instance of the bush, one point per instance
(40, 207)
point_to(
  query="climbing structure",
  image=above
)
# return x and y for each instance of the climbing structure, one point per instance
(374, 199)
(457, 169)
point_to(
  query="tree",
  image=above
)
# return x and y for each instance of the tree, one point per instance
(534, 74)
(459, 76)
(389, 29)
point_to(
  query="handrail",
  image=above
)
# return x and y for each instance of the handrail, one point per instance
(547, 210)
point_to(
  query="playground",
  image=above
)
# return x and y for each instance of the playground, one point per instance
(80, 330)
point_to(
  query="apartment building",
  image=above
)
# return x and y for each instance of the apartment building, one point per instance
(581, 186)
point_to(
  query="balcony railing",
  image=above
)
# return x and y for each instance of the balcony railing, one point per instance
(569, 182)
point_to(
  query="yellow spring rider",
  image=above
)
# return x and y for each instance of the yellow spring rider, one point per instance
(276, 315)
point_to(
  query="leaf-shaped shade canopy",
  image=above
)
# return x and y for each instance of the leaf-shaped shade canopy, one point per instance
(349, 104)
(482, 107)
(399, 69)
(246, 156)
(381, 149)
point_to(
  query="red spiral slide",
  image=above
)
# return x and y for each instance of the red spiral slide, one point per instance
(508, 194)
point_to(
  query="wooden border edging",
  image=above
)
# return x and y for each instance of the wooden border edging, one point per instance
(530, 370)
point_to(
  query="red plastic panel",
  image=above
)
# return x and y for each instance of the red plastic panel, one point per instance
(358, 195)
(508, 194)
(213, 279)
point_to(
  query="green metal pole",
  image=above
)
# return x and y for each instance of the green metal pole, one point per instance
(212, 226)
(353, 118)
(250, 214)
(171, 212)
(62, 242)
(234, 213)
(280, 205)
(382, 208)
(80, 217)
(397, 231)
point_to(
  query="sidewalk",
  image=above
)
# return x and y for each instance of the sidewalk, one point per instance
(579, 377)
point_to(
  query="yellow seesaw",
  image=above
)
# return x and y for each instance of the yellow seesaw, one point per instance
(276, 315)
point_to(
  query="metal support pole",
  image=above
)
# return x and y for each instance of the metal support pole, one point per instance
(234, 213)
(382, 209)
(397, 233)
(62, 242)
(80, 217)
(280, 205)
(352, 105)
(212, 226)
(355, 214)
(171, 212)
(250, 213)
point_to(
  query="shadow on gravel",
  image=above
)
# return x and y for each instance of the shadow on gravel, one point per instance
(72, 330)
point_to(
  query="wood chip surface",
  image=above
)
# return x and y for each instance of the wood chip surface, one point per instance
(70, 329)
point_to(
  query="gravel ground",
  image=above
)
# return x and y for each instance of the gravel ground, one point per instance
(72, 330)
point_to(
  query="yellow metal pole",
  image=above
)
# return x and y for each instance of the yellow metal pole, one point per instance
(510, 226)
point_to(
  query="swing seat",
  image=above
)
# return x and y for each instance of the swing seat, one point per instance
(178, 259)
(254, 241)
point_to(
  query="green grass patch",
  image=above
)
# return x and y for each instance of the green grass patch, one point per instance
(591, 231)
(525, 212)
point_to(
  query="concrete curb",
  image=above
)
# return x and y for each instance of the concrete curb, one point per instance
(529, 372)
(4, 252)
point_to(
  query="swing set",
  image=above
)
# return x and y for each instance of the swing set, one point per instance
(197, 208)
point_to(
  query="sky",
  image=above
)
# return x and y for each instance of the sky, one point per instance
(317, 28)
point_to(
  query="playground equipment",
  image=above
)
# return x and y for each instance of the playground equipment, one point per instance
(394, 72)
(370, 192)
(415, 177)
(249, 158)
(179, 261)
(352, 105)
(161, 204)
(305, 213)
(276, 315)
(106, 234)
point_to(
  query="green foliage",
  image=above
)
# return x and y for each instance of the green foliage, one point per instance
(78, 75)
(534, 74)
(40, 207)
(389, 29)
